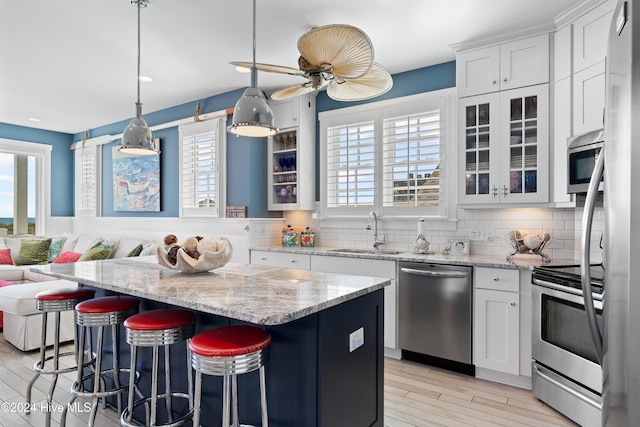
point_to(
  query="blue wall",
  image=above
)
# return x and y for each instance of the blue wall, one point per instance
(62, 171)
(246, 157)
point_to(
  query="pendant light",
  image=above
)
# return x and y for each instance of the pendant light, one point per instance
(137, 137)
(252, 115)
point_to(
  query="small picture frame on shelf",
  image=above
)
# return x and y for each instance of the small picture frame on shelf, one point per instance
(459, 246)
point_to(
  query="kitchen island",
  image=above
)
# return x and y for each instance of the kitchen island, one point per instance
(318, 372)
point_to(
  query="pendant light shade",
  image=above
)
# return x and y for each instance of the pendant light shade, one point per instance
(252, 115)
(137, 137)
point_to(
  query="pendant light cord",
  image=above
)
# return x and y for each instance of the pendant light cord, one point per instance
(254, 69)
(139, 2)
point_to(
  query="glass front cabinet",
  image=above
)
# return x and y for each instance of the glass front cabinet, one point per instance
(291, 155)
(504, 147)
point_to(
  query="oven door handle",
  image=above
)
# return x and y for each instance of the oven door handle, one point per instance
(585, 255)
(564, 387)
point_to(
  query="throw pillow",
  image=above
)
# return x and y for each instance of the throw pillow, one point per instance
(34, 251)
(147, 249)
(5, 257)
(56, 248)
(135, 251)
(67, 256)
(100, 250)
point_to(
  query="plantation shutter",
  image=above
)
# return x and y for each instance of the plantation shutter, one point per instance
(411, 153)
(351, 165)
(200, 169)
(87, 195)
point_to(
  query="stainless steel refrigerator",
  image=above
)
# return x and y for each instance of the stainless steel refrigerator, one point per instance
(619, 339)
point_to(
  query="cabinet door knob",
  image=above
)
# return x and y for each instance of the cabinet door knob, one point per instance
(263, 259)
(494, 81)
(513, 304)
(504, 79)
(496, 279)
(293, 261)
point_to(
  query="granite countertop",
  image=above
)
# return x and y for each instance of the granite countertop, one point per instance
(520, 262)
(252, 293)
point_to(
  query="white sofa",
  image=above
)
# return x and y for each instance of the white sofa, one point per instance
(22, 321)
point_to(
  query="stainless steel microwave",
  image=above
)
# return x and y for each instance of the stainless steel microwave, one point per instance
(583, 150)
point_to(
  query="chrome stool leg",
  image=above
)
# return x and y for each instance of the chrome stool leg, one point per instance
(101, 313)
(155, 329)
(53, 301)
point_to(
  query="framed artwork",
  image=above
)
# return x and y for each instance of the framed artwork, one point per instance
(459, 246)
(136, 181)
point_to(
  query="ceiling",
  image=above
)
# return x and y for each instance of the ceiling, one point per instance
(72, 63)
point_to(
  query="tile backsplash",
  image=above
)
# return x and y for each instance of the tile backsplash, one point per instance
(489, 226)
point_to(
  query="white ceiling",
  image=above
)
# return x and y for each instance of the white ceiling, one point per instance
(72, 63)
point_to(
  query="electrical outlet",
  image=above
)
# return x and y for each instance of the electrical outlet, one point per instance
(356, 339)
(482, 235)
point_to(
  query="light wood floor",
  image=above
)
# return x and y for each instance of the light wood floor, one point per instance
(414, 395)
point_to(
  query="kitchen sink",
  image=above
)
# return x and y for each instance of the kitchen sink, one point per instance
(367, 251)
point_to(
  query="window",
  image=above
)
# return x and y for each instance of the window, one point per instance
(202, 163)
(388, 156)
(25, 170)
(88, 177)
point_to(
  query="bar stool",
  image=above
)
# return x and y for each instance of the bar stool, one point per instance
(101, 312)
(54, 301)
(229, 351)
(156, 328)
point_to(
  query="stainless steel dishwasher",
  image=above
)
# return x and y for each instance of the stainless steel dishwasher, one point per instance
(435, 315)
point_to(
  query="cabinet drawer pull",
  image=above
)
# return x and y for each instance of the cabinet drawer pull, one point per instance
(513, 304)
(293, 261)
(263, 259)
(496, 279)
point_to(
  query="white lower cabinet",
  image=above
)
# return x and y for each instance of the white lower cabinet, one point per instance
(497, 320)
(497, 331)
(368, 267)
(343, 265)
(281, 259)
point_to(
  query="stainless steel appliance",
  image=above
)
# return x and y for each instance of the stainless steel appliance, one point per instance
(621, 344)
(566, 371)
(583, 150)
(435, 315)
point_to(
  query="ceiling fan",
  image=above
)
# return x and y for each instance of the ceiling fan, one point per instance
(338, 57)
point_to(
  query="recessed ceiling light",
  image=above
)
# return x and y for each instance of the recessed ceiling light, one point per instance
(145, 79)
(33, 119)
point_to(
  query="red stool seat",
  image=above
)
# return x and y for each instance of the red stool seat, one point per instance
(65, 294)
(107, 305)
(157, 320)
(227, 341)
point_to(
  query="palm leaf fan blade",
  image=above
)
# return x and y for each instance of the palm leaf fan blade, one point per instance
(347, 49)
(375, 83)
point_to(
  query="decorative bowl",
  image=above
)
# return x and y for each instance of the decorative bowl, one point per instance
(207, 261)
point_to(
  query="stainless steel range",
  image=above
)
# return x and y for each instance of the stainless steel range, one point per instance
(566, 372)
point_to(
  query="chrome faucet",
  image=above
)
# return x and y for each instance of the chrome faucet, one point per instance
(373, 220)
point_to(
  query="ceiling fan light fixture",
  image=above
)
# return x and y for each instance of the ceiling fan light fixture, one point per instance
(252, 115)
(137, 138)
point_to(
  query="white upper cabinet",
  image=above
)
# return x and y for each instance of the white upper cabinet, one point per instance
(291, 158)
(519, 63)
(591, 36)
(504, 147)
